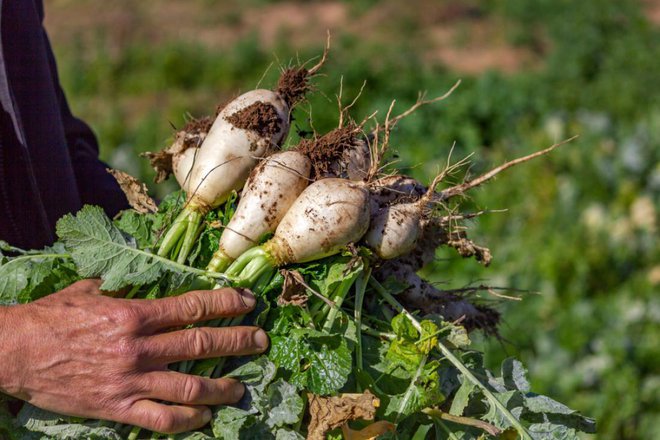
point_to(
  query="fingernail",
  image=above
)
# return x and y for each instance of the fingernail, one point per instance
(260, 339)
(206, 415)
(239, 390)
(248, 298)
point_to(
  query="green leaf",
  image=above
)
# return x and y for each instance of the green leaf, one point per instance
(139, 226)
(284, 404)
(514, 375)
(319, 362)
(54, 426)
(462, 398)
(228, 422)
(403, 328)
(286, 434)
(256, 374)
(547, 410)
(423, 391)
(35, 274)
(193, 436)
(100, 249)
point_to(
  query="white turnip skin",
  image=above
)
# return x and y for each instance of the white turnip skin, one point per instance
(327, 216)
(268, 194)
(229, 153)
(182, 164)
(224, 160)
(395, 230)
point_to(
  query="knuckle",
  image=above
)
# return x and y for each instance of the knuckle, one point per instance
(128, 351)
(127, 317)
(164, 421)
(235, 340)
(88, 284)
(201, 342)
(193, 389)
(194, 306)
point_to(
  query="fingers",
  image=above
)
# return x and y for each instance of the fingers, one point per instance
(175, 387)
(196, 306)
(167, 419)
(204, 342)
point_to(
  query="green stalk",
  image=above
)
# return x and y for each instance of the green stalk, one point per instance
(134, 433)
(338, 299)
(193, 229)
(454, 360)
(134, 290)
(220, 262)
(171, 238)
(250, 266)
(360, 288)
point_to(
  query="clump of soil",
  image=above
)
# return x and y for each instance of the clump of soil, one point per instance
(293, 85)
(329, 148)
(201, 125)
(260, 117)
(190, 136)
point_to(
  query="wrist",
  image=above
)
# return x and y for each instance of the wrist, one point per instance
(9, 351)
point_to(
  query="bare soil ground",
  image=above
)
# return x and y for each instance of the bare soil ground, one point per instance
(457, 35)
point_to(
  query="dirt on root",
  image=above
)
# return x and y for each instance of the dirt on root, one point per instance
(325, 150)
(293, 85)
(201, 125)
(259, 117)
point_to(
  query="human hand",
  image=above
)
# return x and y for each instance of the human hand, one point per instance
(79, 353)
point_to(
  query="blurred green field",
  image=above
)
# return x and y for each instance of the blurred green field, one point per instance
(582, 224)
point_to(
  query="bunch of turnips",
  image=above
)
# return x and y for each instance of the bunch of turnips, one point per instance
(330, 238)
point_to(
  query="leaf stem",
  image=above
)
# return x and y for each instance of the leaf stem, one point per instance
(468, 421)
(173, 234)
(193, 229)
(454, 360)
(341, 292)
(135, 432)
(360, 288)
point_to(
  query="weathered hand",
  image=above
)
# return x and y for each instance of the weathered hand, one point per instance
(80, 353)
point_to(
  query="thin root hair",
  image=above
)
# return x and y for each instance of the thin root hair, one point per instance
(462, 188)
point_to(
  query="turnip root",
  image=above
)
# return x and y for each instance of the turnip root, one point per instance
(177, 159)
(247, 129)
(327, 216)
(269, 192)
(422, 295)
(395, 229)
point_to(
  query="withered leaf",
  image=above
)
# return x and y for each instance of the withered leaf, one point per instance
(293, 289)
(136, 192)
(328, 413)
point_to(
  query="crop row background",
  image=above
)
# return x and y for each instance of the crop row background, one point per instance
(581, 228)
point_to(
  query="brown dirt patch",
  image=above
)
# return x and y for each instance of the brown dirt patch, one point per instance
(330, 147)
(293, 85)
(259, 117)
(201, 125)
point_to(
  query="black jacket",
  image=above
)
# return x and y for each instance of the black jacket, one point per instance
(49, 163)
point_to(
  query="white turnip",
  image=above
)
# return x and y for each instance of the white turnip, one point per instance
(324, 219)
(268, 194)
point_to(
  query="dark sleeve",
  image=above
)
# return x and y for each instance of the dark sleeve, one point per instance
(95, 185)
